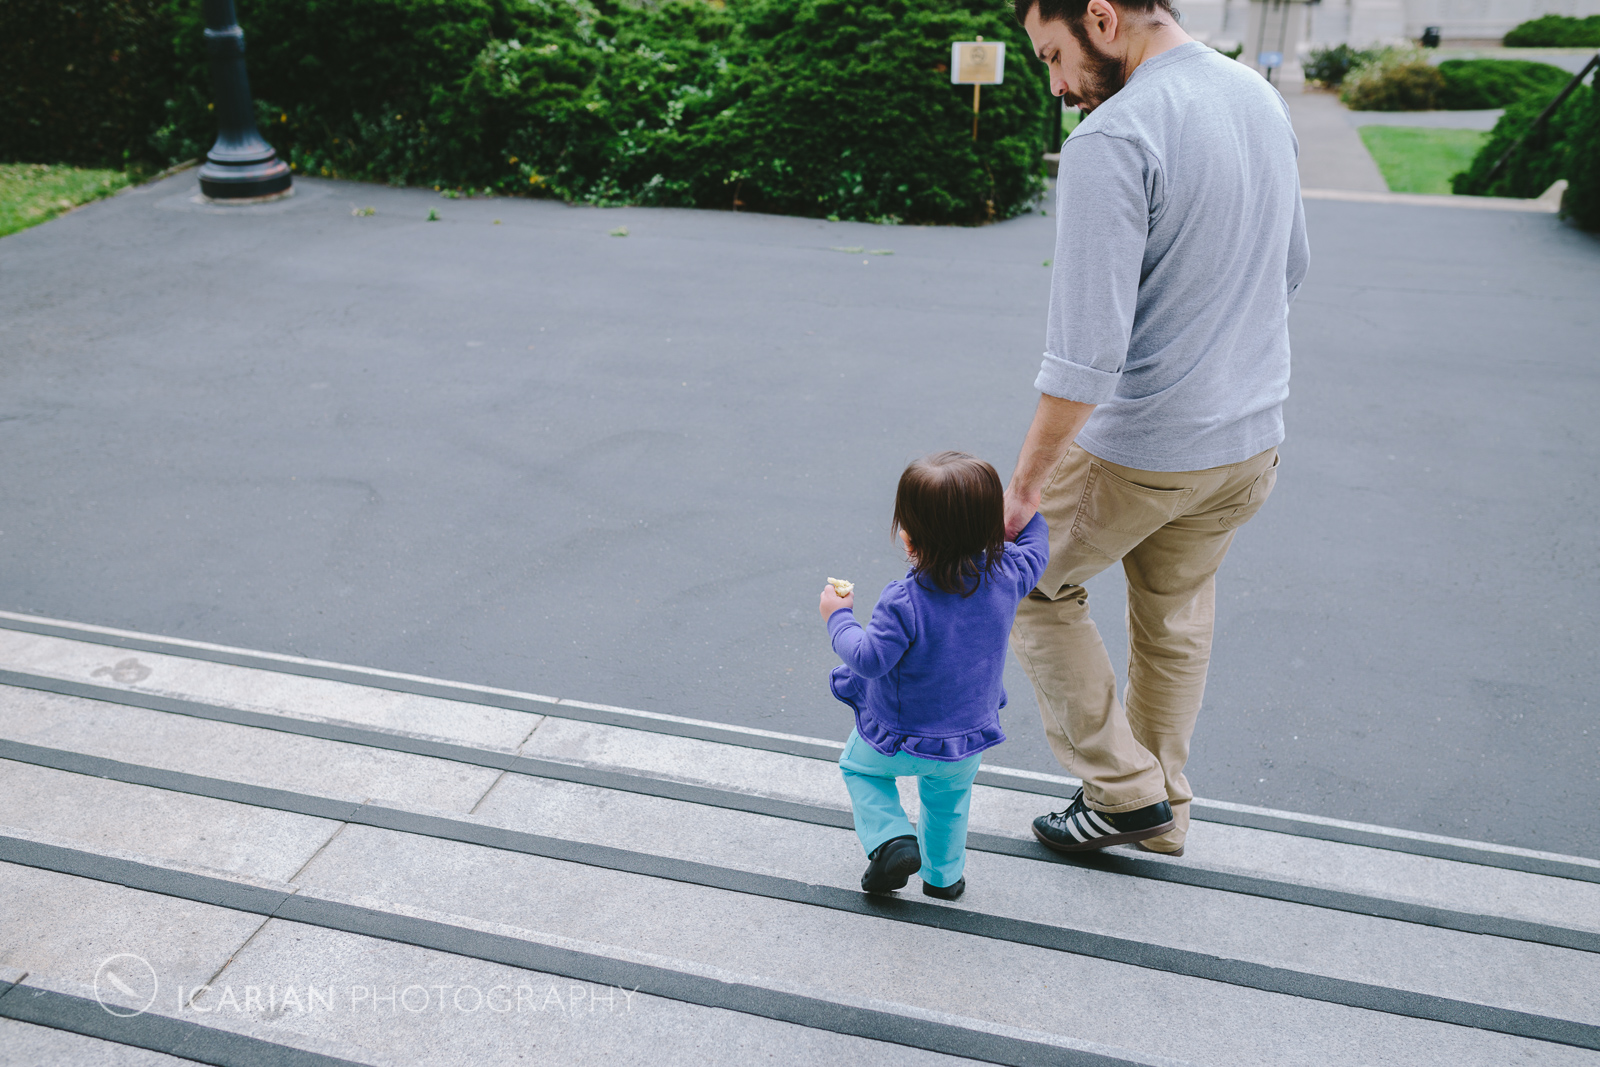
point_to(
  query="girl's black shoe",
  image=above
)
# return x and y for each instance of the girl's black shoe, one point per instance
(891, 865)
(945, 892)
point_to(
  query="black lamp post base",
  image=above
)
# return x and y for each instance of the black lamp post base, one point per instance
(252, 181)
(241, 167)
(243, 201)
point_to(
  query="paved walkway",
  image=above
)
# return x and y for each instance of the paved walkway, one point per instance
(1331, 153)
(1439, 120)
(219, 856)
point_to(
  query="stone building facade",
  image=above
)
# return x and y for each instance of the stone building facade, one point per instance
(1291, 28)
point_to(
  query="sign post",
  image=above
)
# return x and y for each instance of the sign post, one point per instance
(977, 63)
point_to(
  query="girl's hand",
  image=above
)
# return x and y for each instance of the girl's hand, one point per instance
(832, 602)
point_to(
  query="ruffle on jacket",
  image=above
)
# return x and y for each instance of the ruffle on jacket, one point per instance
(852, 691)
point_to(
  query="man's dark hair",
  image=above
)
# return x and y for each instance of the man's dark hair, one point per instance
(1071, 11)
(952, 507)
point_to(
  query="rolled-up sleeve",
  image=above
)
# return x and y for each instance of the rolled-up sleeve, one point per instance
(1104, 202)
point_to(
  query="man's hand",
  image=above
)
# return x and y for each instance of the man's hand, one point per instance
(1020, 510)
(832, 602)
(1055, 424)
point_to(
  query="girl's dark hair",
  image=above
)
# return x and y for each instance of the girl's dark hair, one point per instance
(952, 507)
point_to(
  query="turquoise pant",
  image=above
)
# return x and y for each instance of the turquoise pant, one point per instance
(945, 790)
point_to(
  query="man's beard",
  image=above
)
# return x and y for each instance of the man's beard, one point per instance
(1102, 77)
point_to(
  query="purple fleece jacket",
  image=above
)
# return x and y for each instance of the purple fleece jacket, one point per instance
(924, 676)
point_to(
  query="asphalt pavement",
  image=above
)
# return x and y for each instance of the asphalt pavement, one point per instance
(507, 447)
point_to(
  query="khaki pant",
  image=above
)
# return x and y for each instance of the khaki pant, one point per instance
(1170, 531)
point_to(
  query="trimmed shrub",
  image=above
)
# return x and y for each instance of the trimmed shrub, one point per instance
(1581, 202)
(1544, 157)
(1555, 31)
(393, 90)
(811, 107)
(818, 108)
(1328, 66)
(1396, 79)
(1485, 83)
(82, 81)
(846, 108)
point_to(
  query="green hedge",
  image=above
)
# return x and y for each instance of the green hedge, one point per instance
(1556, 31)
(1393, 79)
(83, 81)
(810, 107)
(1402, 79)
(1582, 200)
(1544, 157)
(1471, 84)
(1328, 66)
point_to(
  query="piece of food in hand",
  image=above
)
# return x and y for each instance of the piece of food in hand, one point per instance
(841, 588)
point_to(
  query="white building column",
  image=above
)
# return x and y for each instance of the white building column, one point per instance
(1376, 21)
(1277, 27)
(1203, 19)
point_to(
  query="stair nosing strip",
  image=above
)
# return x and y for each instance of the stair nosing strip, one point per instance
(442, 690)
(677, 727)
(733, 800)
(1186, 962)
(155, 1032)
(795, 1008)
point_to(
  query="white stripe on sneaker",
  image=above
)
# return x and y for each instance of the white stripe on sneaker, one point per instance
(1072, 828)
(1089, 830)
(1100, 822)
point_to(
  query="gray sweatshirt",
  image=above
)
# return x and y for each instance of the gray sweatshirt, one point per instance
(1180, 241)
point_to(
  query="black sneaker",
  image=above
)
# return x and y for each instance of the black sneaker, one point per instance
(892, 865)
(945, 892)
(1080, 828)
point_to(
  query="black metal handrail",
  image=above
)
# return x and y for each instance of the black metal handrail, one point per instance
(1561, 97)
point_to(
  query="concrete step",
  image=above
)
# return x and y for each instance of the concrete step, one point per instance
(486, 833)
(34, 1044)
(1297, 851)
(714, 845)
(705, 820)
(324, 939)
(356, 984)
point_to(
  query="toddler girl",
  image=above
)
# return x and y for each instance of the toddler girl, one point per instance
(924, 676)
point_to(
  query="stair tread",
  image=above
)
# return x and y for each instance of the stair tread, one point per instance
(1494, 971)
(406, 826)
(1208, 1029)
(332, 768)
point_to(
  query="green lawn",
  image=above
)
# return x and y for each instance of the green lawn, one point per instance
(1414, 159)
(31, 193)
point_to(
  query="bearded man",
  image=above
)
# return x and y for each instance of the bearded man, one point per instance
(1180, 242)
